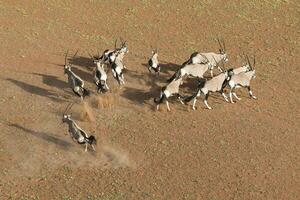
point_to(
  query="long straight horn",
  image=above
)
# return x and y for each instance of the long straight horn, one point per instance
(116, 40)
(92, 57)
(71, 105)
(220, 43)
(254, 61)
(224, 47)
(76, 53)
(66, 56)
(249, 62)
(123, 42)
(217, 64)
(68, 107)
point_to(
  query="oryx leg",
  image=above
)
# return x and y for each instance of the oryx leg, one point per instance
(106, 86)
(180, 98)
(234, 94)
(114, 73)
(93, 147)
(211, 73)
(230, 94)
(195, 99)
(205, 101)
(157, 106)
(194, 103)
(250, 93)
(219, 68)
(168, 107)
(224, 95)
(122, 79)
(159, 101)
(86, 147)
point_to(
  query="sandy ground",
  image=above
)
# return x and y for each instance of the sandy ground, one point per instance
(247, 150)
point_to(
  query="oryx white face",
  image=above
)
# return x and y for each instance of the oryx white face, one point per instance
(112, 57)
(67, 67)
(253, 76)
(246, 68)
(96, 61)
(124, 49)
(66, 118)
(225, 57)
(154, 53)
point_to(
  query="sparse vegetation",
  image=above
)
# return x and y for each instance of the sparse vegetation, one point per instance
(244, 151)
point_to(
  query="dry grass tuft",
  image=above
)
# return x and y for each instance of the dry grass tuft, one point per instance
(107, 100)
(87, 114)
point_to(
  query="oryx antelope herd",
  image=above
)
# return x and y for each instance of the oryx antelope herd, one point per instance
(196, 66)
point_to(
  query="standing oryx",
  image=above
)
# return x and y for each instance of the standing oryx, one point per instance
(100, 76)
(215, 84)
(242, 79)
(153, 62)
(215, 58)
(76, 133)
(212, 58)
(74, 81)
(167, 91)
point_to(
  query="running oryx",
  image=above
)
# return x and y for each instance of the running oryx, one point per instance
(109, 56)
(153, 62)
(242, 79)
(76, 133)
(100, 76)
(215, 84)
(117, 69)
(172, 89)
(74, 81)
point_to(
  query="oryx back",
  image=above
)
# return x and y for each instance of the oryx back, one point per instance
(242, 79)
(215, 84)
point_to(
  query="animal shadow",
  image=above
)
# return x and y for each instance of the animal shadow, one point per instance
(82, 62)
(36, 90)
(166, 67)
(52, 81)
(44, 136)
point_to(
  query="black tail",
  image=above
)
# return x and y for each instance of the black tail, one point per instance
(200, 86)
(161, 98)
(85, 92)
(189, 61)
(190, 98)
(91, 140)
(101, 87)
(175, 76)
